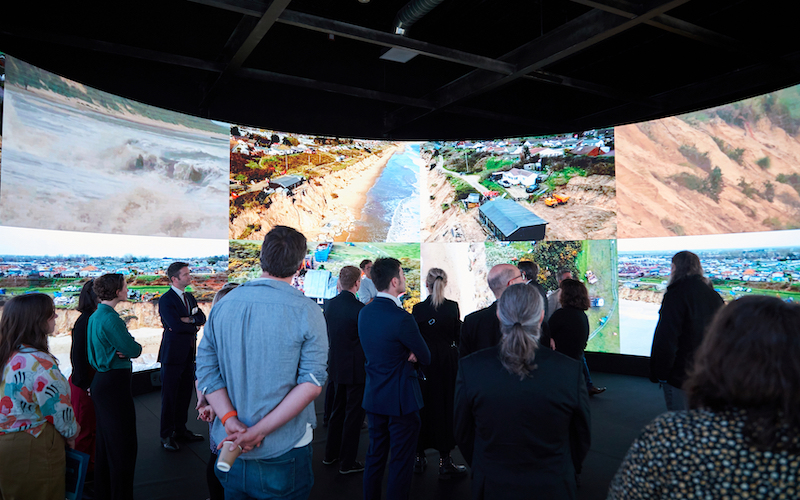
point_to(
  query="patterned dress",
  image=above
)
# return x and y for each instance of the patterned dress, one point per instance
(701, 454)
(32, 392)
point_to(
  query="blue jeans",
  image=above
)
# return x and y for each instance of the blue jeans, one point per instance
(288, 477)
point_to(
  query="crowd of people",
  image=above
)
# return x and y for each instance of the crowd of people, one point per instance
(509, 386)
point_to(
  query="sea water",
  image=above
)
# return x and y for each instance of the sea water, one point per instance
(71, 168)
(392, 210)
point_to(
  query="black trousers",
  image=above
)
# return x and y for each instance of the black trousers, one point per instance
(344, 426)
(116, 435)
(398, 434)
(177, 385)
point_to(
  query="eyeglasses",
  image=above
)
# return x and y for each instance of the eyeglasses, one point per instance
(513, 279)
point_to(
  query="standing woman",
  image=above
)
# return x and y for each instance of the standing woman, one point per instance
(36, 417)
(569, 325)
(82, 374)
(522, 413)
(439, 323)
(111, 348)
(686, 310)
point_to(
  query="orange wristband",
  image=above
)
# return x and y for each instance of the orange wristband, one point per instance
(228, 415)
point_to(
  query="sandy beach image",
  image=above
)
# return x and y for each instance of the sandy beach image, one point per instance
(465, 265)
(733, 168)
(79, 159)
(330, 189)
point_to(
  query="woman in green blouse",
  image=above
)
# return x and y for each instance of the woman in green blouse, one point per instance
(111, 348)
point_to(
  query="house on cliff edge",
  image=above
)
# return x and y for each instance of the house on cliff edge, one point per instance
(510, 221)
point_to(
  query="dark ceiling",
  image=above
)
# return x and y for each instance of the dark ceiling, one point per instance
(483, 69)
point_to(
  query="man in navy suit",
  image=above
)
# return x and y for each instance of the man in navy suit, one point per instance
(181, 319)
(346, 372)
(392, 398)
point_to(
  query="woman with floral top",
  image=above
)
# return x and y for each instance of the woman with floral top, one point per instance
(36, 416)
(741, 436)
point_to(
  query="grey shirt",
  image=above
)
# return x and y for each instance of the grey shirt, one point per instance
(367, 291)
(261, 340)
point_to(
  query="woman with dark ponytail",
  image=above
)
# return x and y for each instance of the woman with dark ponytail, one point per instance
(439, 322)
(521, 412)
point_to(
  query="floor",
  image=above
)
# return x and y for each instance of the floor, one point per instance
(618, 415)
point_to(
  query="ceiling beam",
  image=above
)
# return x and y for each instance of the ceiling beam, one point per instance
(276, 7)
(668, 23)
(623, 95)
(570, 38)
(117, 49)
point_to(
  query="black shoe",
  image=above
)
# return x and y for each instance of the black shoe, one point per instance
(356, 467)
(169, 444)
(596, 390)
(420, 464)
(188, 436)
(447, 469)
(328, 461)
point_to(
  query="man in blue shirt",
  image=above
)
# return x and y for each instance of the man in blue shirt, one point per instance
(261, 363)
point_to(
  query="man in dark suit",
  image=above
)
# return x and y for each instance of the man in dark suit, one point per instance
(530, 273)
(181, 319)
(481, 329)
(346, 372)
(392, 398)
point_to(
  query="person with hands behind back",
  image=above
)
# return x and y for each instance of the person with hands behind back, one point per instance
(261, 363)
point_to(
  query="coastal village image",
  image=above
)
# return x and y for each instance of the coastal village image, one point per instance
(331, 189)
(591, 261)
(765, 263)
(730, 169)
(59, 263)
(530, 188)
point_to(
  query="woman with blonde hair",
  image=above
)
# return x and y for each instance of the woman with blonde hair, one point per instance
(439, 322)
(36, 417)
(522, 413)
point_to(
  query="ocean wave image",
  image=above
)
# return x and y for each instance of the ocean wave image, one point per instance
(72, 165)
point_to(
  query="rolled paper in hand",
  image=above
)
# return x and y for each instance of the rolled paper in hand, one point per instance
(227, 457)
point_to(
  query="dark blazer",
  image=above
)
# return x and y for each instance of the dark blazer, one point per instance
(179, 340)
(686, 310)
(388, 334)
(346, 359)
(569, 327)
(523, 438)
(481, 329)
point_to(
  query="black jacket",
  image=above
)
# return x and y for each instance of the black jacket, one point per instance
(346, 359)
(523, 438)
(569, 327)
(179, 339)
(688, 307)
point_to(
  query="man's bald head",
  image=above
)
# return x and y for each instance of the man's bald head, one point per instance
(500, 276)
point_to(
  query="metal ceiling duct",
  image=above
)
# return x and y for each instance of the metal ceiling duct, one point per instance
(412, 12)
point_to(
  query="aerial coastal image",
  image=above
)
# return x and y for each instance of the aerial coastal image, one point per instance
(559, 187)
(330, 189)
(79, 159)
(729, 169)
(766, 263)
(59, 263)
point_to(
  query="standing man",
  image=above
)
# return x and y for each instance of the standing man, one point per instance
(346, 370)
(392, 398)
(261, 364)
(530, 273)
(181, 319)
(367, 290)
(481, 329)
